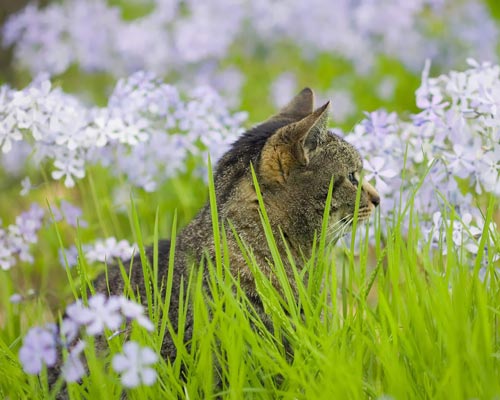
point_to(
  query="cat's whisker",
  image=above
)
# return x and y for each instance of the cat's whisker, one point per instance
(339, 229)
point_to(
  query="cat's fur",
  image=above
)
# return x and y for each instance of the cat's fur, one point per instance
(294, 157)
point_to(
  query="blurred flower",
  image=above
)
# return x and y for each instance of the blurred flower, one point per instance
(283, 89)
(343, 105)
(72, 214)
(39, 348)
(461, 161)
(68, 167)
(104, 250)
(180, 36)
(8, 133)
(135, 311)
(455, 138)
(42, 345)
(101, 313)
(69, 329)
(380, 123)
(146, 132)
(135, 365)
(69, 255)
(16, 298)
(379, 170)
(17, 239)
(73, 369)
(26, 186)
(490, 170)
(386, 88)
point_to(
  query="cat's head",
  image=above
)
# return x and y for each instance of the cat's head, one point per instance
(295, 157)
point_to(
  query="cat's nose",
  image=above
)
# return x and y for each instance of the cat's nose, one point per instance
(372, 193)
(375, 199)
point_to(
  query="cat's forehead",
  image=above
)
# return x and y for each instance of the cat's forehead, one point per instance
(349, 152)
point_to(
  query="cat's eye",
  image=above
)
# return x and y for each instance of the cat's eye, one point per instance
(352, 179)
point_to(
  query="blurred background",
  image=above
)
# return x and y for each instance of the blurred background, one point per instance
(362, 55)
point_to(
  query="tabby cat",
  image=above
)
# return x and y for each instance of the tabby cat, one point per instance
(295, 157)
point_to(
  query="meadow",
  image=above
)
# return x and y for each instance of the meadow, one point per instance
(112, 117)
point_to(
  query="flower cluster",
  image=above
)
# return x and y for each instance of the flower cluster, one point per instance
(182, 36)
(102, 250)
(453, 144)
(147, 131)
(16, 239)
(41, 345)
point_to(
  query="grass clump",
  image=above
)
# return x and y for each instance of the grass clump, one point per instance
(392, 318)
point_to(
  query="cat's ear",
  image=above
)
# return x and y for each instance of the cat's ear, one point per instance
(299, 107)
(292, 145)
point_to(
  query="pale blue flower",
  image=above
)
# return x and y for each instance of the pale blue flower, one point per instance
(94, 36)
(381, 172)
(72, 214)
(26, 186)
(16, 298)
(380, 123)
(73, 369)
(101, 313)
(135, 365)
(39, 349)
(69, 167)
(109, 248)
(283, 89)
(134, 311)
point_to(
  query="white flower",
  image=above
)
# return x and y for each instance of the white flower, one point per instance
(135, 365)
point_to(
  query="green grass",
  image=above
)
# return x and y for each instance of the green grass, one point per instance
(391, 320)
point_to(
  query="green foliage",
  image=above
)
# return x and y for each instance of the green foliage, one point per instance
(388, 320)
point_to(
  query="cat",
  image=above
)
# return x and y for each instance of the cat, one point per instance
(295, 157)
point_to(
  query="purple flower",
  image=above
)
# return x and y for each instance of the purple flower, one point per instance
(135, 365)
(30, 222)
(461, 161)
(380, 123)
(135, 311)
(343, 105)
(16, 298)
(283, 88)
(9, 132)
(68, 167)
(17, 239)
(147, 131)
(73, 368)
(103, 250)
(101, 313)
(69, 330)
(70, 255)
(26, 186)
(382, 173)
(39, 348)
(72, 214)
(490, 170)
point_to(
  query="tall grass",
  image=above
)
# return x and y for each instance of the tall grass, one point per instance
(392, 320)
